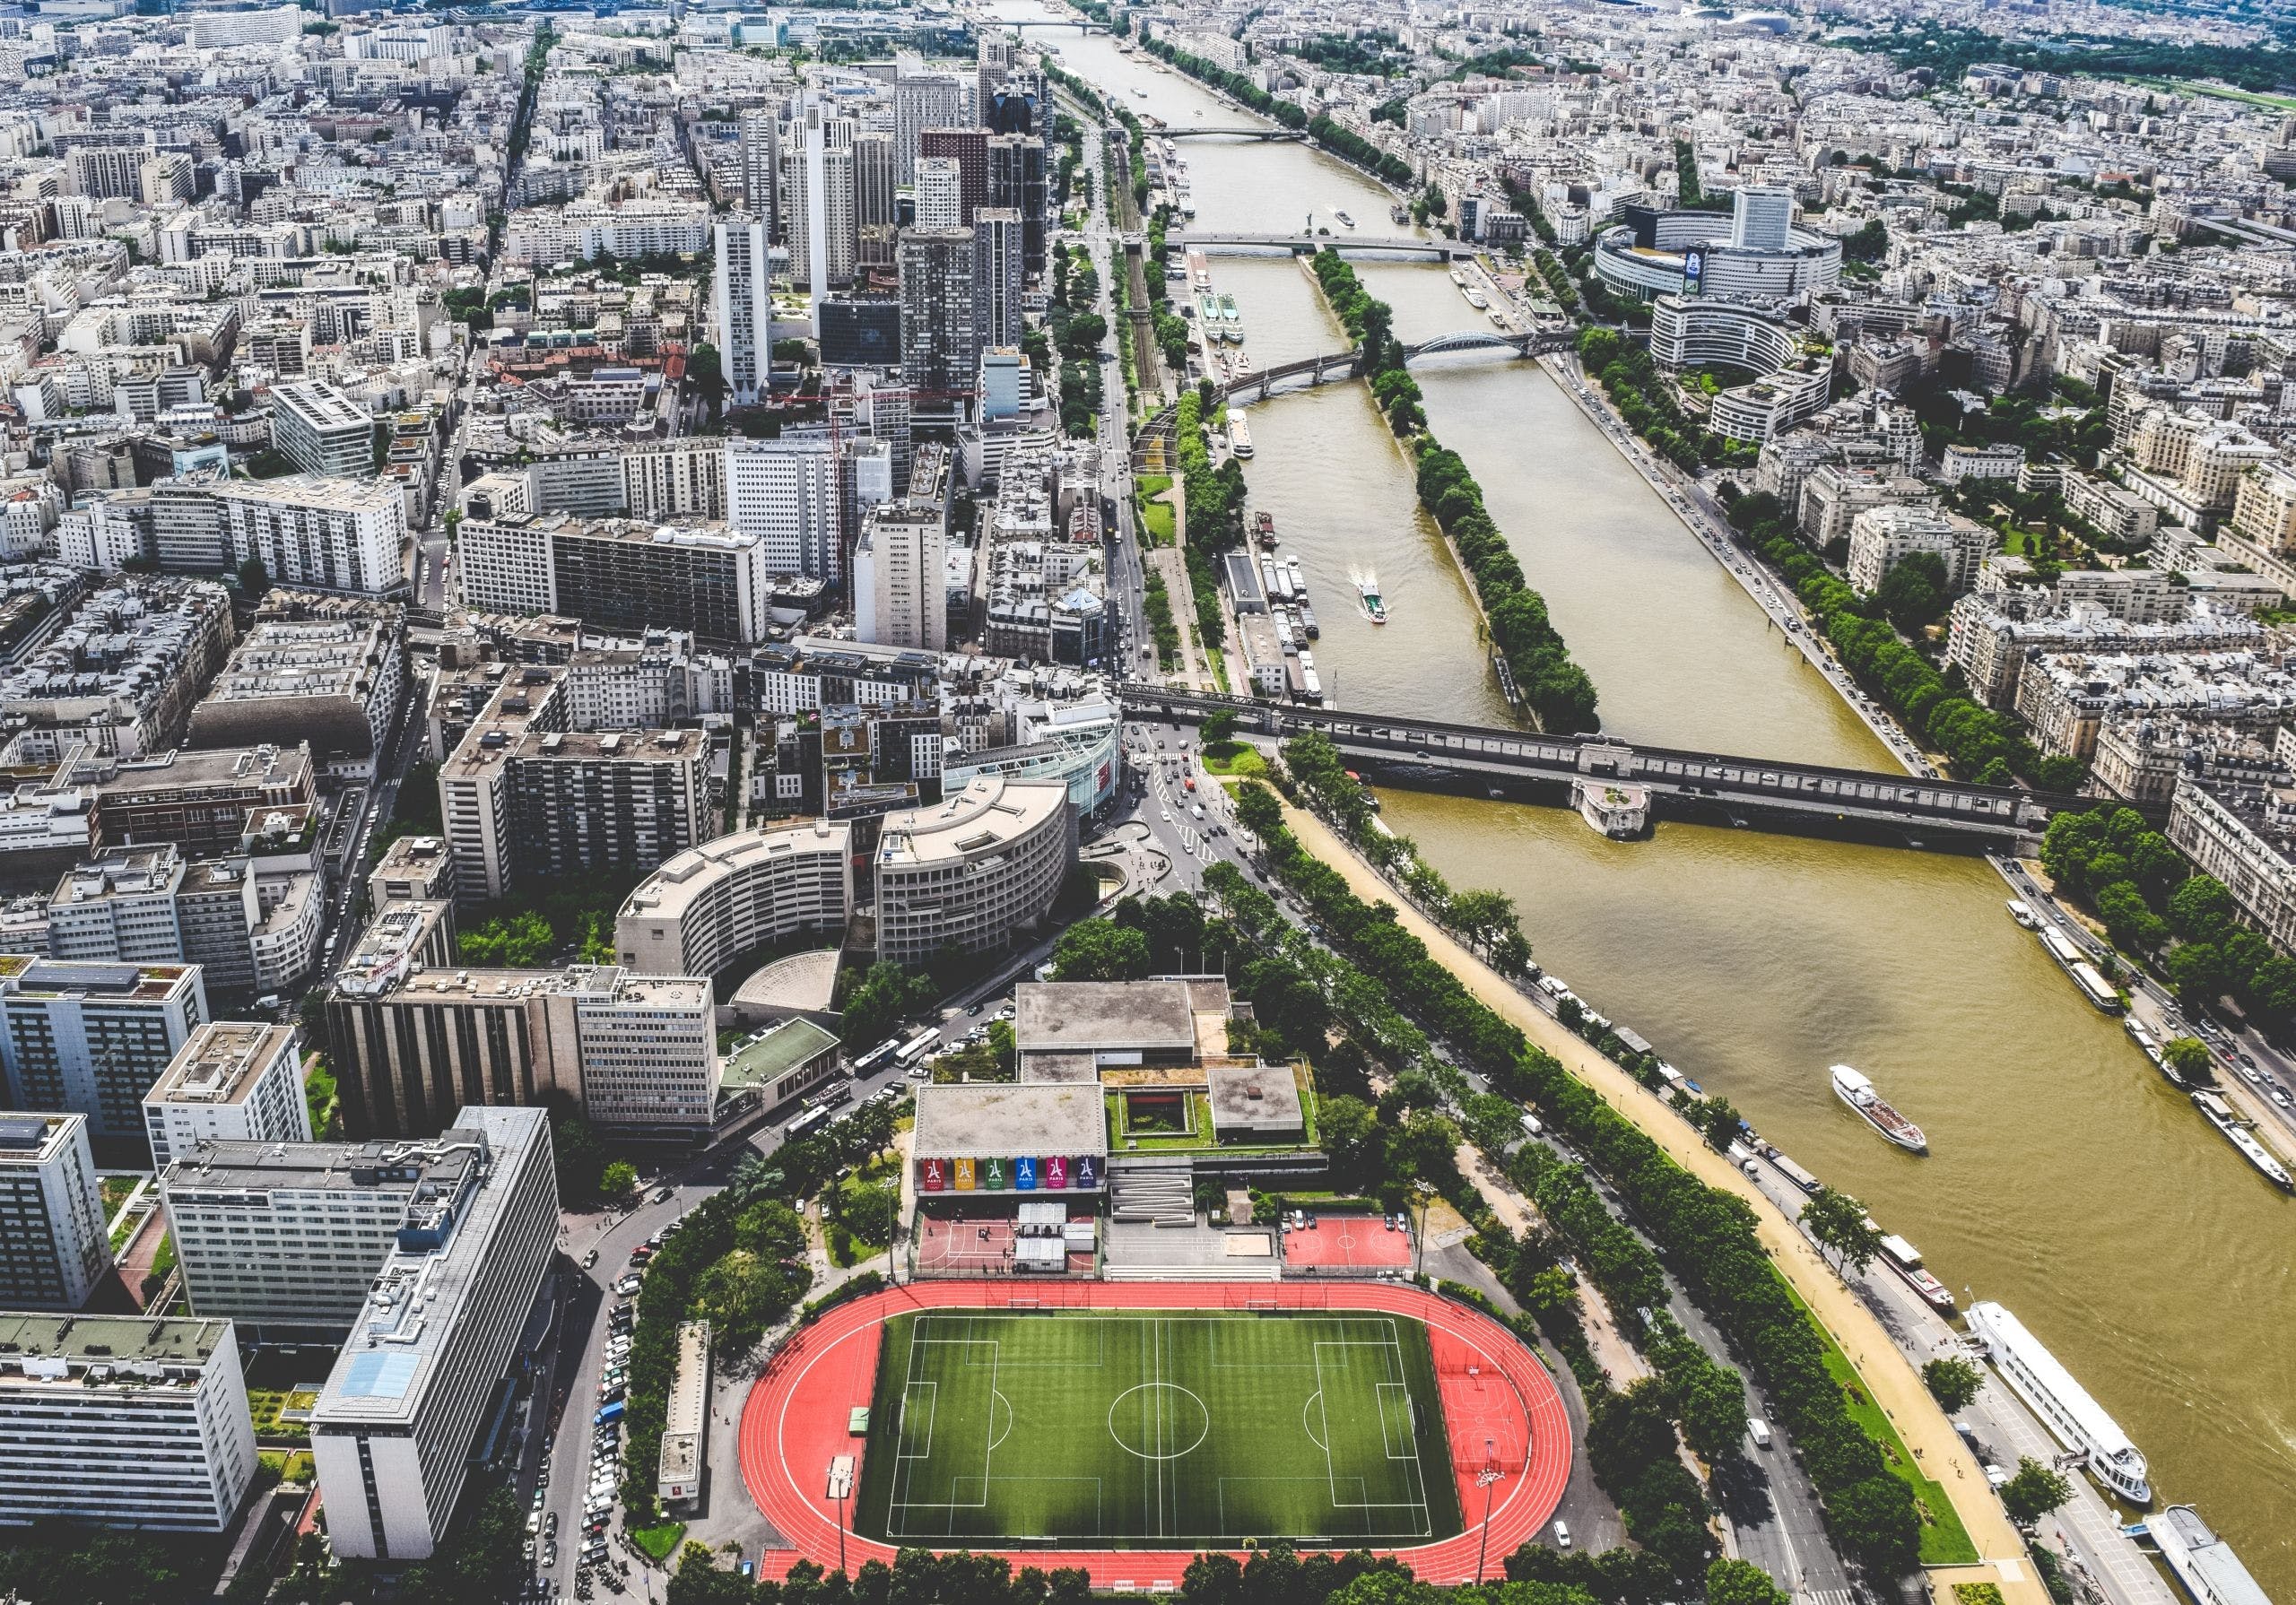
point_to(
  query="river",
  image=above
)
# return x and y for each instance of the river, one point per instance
(2065, 1179)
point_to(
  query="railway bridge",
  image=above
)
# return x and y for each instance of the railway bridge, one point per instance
(1753, 790)
(1347, 244)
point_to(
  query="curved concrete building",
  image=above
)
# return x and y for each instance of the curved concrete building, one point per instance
(1693, 332)
(976, 871)
(1754, 252)
(711, 904)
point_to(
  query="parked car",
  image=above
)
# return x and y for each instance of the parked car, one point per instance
(627, 1286)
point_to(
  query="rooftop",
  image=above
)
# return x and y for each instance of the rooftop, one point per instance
(987, 1120)
(990, 813)
(1254, 1100)
(31, 1136)
(220, 1065)
(1087, 1016)
(217, 1165)
(140, 1346)
(766, 1059)
(670, 892)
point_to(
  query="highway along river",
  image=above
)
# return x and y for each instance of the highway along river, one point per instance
(2065, 1179)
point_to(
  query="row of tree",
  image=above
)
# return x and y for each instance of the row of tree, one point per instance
(1644, 399)
(1343, 143)
(1981, 744)
(1709, 1235)
(2152, 903)
(1558, 689)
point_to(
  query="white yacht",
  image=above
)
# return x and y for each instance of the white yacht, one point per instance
(2064, 1406)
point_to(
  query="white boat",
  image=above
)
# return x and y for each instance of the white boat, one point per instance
(1905, 1259)
(1852, 1087)
(2202, 1562)
(2219, 1113)
(2076, 1420)
(1367, 586)
(1477, 300)
(2022, 913)
(1345, 220)
(1239, 435)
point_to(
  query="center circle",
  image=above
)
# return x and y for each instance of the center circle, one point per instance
(1159, 1420)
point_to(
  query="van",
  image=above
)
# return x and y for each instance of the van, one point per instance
(1561, 1535)
(1758, 1429)
(1531, 1126)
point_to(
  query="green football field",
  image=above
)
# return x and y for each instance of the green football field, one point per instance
(1155, 1427)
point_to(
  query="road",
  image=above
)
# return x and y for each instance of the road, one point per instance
(2001, 1430)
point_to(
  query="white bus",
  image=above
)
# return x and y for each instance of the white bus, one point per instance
(916, 1048)
(877, 1057)
(811, 1121)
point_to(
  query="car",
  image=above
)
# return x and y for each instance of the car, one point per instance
(550, 1553)
(550, 1525)
(627, 1286)
(534, 1522)
(1167, 815)
(1561, 1535)
(528, 1550)
(589, 1258)
(537, 1505)
(665, 1194)
(607, 1395)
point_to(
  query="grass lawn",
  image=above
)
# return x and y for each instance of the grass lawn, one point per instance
(661, 1541)
(1157, 1429)
(1234, 758)
(1944, 1541)
(266, 1403)
(1157, 519)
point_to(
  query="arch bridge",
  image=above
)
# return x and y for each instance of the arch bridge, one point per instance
(1336, 367)
(1269, 134)
(1347, 245)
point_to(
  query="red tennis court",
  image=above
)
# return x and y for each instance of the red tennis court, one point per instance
(1347, 1242)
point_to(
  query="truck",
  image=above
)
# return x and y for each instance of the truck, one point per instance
(1758, 1429)
(613, 1412)
(1531, 1126)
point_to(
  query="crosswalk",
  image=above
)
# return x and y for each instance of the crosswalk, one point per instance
(1828, 1596)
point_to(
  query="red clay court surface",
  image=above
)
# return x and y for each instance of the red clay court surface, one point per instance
(1500, 1407)
(1347, 1242)
(965, 1247)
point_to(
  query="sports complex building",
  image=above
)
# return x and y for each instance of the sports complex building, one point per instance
(1078, 1367)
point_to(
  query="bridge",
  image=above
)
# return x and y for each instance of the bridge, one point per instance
(1169, 132)
(1366, 244)
(999, 25)
(1758, 788)
(1337, 368)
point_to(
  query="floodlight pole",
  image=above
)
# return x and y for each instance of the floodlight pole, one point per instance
(1487, 1479)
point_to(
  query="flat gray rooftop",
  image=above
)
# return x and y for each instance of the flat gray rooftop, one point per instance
(1103, 1016)
(1256, 1098)
(997, 1121)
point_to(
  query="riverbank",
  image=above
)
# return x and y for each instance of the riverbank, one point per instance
(1889, 1379)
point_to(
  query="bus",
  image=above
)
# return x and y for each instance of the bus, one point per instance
(877, 1057)
(811, 1121)
(916, 1048)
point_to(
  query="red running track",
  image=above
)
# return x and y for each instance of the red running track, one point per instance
(1508, 1414)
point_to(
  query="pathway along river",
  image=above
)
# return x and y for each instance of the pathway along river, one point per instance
(2065, 1179)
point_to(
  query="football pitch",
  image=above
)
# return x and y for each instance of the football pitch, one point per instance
(1156, 1428)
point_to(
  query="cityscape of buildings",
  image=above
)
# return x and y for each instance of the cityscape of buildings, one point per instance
(552, 560)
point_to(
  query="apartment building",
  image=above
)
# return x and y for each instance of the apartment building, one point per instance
(288, 1236)
(250, 919)
(394, 1429)
(711, 580)
(123, 1421)
(337, 683)
(738, 894)
(93, 1038)
(199, 800)
(55, 1243)
(977, 870)
(321, 430)
(408, 1043)
(233, 1081)
(320, 532)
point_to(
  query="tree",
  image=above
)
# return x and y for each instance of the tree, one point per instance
(1720, 1121)
(1740, 1583)
(1913, 593)
(254, 580)
(2189, 1057)
(2201, 909)
(618, 1181)
(1840, 1223)
(1876, 1523)
(885, 996)
(581, 1158)
(1953, 1383)
(1098, 950)
(1352, 1137)
(1258, 810)
(2034, 1491)
(1219, 725)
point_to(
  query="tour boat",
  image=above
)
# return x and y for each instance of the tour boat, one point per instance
(1852, 1087)
(2064, 1406)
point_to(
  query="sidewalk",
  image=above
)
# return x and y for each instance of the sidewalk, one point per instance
(1891, 1379)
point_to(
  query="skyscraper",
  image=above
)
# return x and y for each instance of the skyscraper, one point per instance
(998, 233)
(785, 493)
(940, 193)
(761, 164)
(876, 211)
(940, 334)
(1016, 178)
(970, 147)
(743, 288)
(996, 59)
(923, 100)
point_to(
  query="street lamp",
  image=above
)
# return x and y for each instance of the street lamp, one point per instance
(1486, 1479)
